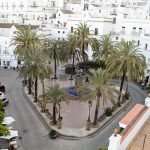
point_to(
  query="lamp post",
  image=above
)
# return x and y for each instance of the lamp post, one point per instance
(90, 104)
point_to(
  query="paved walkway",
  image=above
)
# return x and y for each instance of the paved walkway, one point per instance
(75, 114)
(142, 140)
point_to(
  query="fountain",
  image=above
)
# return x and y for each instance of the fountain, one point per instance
(72, 91)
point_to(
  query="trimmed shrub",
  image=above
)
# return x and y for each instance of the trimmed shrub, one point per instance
(108, 111)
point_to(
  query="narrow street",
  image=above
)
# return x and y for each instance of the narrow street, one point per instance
(33, 132)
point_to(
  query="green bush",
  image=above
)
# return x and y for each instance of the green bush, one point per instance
(1, 105)
(126, 95)
(4, 131)
(92, 65)
(53, 134)
(108, 111)
(1, 116)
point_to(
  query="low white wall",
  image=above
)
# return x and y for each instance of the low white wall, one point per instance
(135, 130)
(115, 142)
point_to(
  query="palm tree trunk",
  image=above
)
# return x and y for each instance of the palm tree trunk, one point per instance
(127, 85)
(96, 111)
(43, 88)
(36, 89)
(121, 87)
(55, 65)
(83, 54)
(29, 85)
(89, 117)
(72, 71)
(54, 115)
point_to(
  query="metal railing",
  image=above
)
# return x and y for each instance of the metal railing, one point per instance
(133, 121)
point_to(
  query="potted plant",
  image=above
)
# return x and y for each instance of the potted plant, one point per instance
(108, 111)
(53, 134)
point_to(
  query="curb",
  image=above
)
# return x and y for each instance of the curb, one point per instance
(104, 125)
(63, 136)
(42, 119)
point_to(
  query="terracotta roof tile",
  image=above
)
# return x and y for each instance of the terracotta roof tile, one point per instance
(131, 114)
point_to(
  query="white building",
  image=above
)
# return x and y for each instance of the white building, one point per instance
(7, 57)
(123, 19)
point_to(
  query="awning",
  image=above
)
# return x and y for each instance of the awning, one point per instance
(8, 120)
(11, 135)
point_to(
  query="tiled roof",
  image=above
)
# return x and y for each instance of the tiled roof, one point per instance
(9, 25)
(132, 114)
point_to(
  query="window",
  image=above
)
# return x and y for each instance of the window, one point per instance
(58, 14)
(134, 29)
(96, 31)
(100, 11)
(45, 17)
(71, 29)
(53, 4)
(138, 42)
(5, 51)
(63, 32)
(86, 7)
(114, 20)
(140, 30)
(58, 31)
(146, 46)
(117, 37)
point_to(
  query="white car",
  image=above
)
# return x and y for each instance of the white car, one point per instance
(3, 98)
(2, 95)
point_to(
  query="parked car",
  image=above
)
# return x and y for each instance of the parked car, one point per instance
(2, 88)
(2, 95)
(5, 101)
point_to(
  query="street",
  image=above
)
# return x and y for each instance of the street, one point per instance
(34, 135)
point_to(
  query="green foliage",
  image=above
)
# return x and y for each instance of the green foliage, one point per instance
(1, 105)
(1, 117)
(93, 64)
(108, 111)
(126, 95)
(4, 131)
(53, 134)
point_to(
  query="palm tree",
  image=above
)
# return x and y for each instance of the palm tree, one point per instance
(53, 49)
(102, 89)
(24, 73)
(44, 72)
(55, 95)
(85, 37)
(24, 38)
(73, 50)
(104, 47)
(34, 62)
(126, 60)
